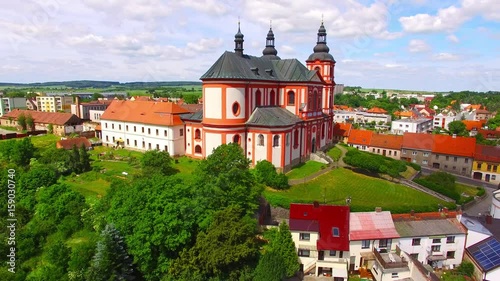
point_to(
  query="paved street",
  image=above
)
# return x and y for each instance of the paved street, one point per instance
(3, 132)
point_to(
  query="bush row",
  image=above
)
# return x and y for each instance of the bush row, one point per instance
(375, 163)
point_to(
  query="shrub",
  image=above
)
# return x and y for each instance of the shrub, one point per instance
(265, 172)
(466, 269)
(414, 166)
(480, 191)
(446, 191)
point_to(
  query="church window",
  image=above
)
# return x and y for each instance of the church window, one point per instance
(258, 98)
(197, 149)
(291, 98)
(296, 139)
(236, 108)
(276, 141)
(323, 131)
(236, 139)
(261, 140)
(197, 134)
(273, 98)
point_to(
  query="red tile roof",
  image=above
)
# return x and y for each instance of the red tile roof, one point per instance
(488, 134)
(417, 141)
(304, 217)
(408, 114)
(473, 106)
(371, 225)
(342, 107)
(473, 124)
(342, 129)
(487, 153)
(55, 118)
(69, 143)
(145, 112)
(377, 110)
(387, 141)
(460, 146)
(361, 137)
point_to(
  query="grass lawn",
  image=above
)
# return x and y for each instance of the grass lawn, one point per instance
(116, 152)
(335, 153)
(408, 173)
(305, 169)
(366, 193)
(466, 192)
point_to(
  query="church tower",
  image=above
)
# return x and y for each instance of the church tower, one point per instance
(323, 62)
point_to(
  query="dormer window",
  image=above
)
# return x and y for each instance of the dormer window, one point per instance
(335, 232)
(255, 70)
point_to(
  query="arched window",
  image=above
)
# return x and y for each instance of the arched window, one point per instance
(276, 140)
(272, 99)
(260, 140)
(258, 98)
(197, 134)
(197, 149)
(314, 102)
(323, 131)
(291, 98)
(296, 139)
(236, 139)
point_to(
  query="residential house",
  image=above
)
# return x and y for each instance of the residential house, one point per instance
(360, 139)
(377, 115)
(443, 119)
(406, 114)
(476, 230)
(83, 109)
(437, 239)
(453, 154)
(486, 163)
(62, 123)
(69, 143)
(144, 125)
(31, 104)
(489, 134)
(421, 125)
(473, 126)
(344, 116)
(341, 132)
(54, 103)
(321, 237)
(370, 232)
(387, 145)
(483, 114)
(8, 104)
(417, 148)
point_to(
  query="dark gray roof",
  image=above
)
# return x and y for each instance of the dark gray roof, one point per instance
(272, 116)
(195, 116)
(429, 227)
(321, 56)
(233, 66)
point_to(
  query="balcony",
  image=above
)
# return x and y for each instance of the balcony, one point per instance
(390, 260)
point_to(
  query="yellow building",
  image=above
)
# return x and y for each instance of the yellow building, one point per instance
(54, 103)
(486, 164)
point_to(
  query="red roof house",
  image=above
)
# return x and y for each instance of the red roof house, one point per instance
(387, 141)
(371, 226)
(360, 137)
(417, 141)
(487, 153)
(457, 146)
(341, 131)
(377, 110)
(473, 124)
(331, 222)
(69, 143)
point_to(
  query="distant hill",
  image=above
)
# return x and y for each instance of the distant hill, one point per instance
(101, 84)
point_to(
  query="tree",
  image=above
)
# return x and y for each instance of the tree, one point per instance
(76, 163)
(21, 121)
(22, 152)
(270, 267)
(29, 182)
(155, 161)
(111, 260)
(50, 128)
(466, 269)
(457, 128)
(80, 258)
(265, 173)
(30, 122)
(285, 247)
(58, 255)
(84, 159)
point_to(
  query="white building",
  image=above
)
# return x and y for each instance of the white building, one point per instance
(438, 242)
(82, 109)
(402, 126)
(338, 89)
(495, 205)
(54, 103)
(442, 120)
(360, 117)
(8, 104)
(144, 125)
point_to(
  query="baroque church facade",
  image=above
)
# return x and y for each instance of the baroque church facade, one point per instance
(278, 110)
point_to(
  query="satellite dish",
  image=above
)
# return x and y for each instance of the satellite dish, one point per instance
(402, 107)
(435, 107)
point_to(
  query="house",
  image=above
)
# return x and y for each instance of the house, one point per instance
(405, 114)
(31, 104)
(62, 123)
(436, 238)
(473, 125)
(360, 139)
(69, 143)
(89, 110)
(370, 232)
(8, 104)
(483, 114)
(417, 148)
(489, 134)
(387, 145)
(453, 154)
(54, 103)
(278, 110)
(485, 256)
(345, 116)
(321, 237)
(144, 125)
(341, 132)
(486, 163)
(409, 125)
(443, 119)
(377, 110)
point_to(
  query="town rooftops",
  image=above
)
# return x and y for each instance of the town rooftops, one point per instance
(387, 141)
(459, 146)
(55, 118)
(417, 141)
(427, 224)
(408, 114)
(331, 221)
(414, 121)
(371, 225)
(342, 129)
(272, 116)
(473, 124)
(360, 137)
(377, 110)
(69, 143)
(145, 112)
(487, 153)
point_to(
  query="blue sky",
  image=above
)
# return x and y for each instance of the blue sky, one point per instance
(393, 44)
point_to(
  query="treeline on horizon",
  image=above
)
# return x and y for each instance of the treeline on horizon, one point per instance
(81, 84)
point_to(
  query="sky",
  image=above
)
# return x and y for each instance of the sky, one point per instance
(445, 45)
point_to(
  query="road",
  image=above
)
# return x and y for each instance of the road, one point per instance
(481, 206)
(3, 132)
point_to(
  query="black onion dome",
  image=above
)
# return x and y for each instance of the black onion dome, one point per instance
(270, 51)
(321, 50)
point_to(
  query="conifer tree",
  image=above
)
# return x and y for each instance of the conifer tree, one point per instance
(285, 247)
(84, 159)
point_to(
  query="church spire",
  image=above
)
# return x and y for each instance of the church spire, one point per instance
(270, 50)
(238, 41)
(321, 50)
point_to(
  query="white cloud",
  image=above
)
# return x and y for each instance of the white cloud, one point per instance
(450, 18)
(88, 39)
(143, 10)
(418, 46)
(211, 7)
(446, 57)
(452, 38)
(205, 45)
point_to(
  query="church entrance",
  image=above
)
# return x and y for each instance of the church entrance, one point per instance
(313, 149)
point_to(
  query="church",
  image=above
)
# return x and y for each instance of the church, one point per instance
(278, 110)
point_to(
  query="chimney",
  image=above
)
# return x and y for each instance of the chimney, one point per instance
(454, 136)
(489, 219)
(378, 209)
(77, 102)
(316, 204)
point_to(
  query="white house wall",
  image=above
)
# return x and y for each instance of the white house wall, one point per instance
(212, 141)
(235, 95)
(213, 103)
